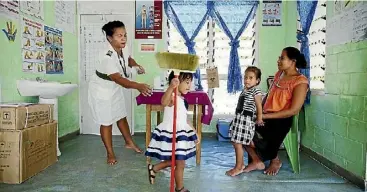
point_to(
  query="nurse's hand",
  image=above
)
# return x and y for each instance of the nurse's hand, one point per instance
(144, 89)
(140, 69)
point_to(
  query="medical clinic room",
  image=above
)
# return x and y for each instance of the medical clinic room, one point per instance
(183, 96)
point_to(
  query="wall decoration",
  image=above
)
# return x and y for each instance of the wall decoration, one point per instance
(148, 47)
(65, 11)
(272, 13)
(54, 51)
(10, 31)
(148, 19)
(33, 46)
(32, 8)
(9, 9)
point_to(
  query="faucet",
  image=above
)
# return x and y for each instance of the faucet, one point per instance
(39, 79)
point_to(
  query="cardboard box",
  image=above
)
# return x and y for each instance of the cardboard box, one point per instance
(18, 117)
(24, 153)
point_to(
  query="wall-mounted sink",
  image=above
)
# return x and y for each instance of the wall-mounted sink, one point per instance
(48, 93)
(46, 90)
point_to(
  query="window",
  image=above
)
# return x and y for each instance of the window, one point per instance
(212, 46)
(317, 45)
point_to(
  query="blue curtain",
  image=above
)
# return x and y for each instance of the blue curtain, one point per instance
(306, 10)
(188, 17)
(233, 17)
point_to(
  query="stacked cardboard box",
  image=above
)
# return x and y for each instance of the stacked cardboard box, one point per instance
(27, 141)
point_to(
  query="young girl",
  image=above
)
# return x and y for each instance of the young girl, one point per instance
(249, 109)
(186, 139)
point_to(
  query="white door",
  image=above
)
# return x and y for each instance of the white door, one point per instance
(92, 41)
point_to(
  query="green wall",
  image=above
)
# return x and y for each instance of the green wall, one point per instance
(336, 123)
(11, 70)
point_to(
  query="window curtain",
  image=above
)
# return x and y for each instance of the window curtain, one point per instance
(233, 17)
(188, 17)
(306, 10)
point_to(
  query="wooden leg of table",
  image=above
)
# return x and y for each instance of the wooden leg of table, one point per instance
(158, 117)
(148, 127)
(194, 122)
(198, 130)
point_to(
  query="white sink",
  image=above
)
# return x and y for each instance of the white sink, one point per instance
(48, 93)
(46, 90)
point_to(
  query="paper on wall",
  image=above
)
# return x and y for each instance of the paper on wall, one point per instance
(33, 8)
(33, 46)
(9, 9)
(65, 12)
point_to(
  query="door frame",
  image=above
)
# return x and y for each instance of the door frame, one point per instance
(132, 125)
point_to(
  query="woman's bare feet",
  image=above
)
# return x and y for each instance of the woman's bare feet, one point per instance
(133, 147)
(111, 159)
(254, 166)
(235, 171)
(274, 167)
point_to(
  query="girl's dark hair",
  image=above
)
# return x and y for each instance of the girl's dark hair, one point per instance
(255, 70)
(109, 28)
(183, 76)
(294, 54)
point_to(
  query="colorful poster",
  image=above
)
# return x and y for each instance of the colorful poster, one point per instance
(33, 46)
(148, 19)
(33, 8)
(272, 13)
(9, 9)
(54, 51)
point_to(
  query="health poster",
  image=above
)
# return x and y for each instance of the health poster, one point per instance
(33, 46)
(148, 19)
(54, 51)
(272, 13)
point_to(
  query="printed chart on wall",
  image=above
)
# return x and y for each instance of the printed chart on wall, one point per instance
(33, 46)
(272, 13)
(33, 8)
(9, 9)
(348, 24)
(54, 51)
(148, 19)
(65, 12)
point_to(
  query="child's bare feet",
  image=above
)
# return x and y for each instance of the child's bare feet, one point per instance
(235, 171)
(274, 167)
(111, 159)
(133, 147)
(254, 166)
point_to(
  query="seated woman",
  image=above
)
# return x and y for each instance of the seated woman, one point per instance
(285, 99)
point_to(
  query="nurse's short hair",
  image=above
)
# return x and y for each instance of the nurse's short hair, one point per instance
(109, 28)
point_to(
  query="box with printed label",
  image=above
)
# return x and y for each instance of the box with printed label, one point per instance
(24, 153)
(21, 116)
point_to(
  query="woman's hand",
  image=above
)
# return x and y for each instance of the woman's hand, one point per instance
(144, 89)
(140, 69)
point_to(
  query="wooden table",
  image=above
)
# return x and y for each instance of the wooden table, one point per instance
(197, 109)
(199, 103)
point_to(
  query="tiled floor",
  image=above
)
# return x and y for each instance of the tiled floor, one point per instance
(82, 167)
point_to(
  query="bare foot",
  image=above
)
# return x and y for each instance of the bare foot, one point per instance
(254, 166)
(111, 159)
(134, 147)
(235, 171)
(274, 167)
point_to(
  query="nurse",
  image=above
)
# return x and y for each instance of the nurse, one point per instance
(106, 88)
